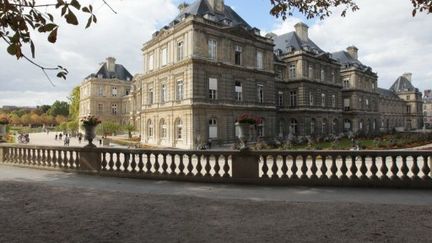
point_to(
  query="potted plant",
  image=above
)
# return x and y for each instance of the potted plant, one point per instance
(244, 122)
(89, 124)
(3, 124)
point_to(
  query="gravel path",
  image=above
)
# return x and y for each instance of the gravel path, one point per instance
(37, 212)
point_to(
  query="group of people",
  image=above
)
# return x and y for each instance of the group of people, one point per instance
(67, 138)
(24, 138)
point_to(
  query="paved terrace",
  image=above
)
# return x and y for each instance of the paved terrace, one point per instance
(52, 206)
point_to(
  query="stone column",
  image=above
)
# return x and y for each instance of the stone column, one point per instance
(2, 154)
(245, 166)
(90, 160)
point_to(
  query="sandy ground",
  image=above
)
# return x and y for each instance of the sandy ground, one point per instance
(36, 212)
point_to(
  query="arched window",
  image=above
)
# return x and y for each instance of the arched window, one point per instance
(347, 125)
(163, 129)
(361, 125)
(324, 126)
(293, 126)
(335, 126)
(213, 131)
(178, 129)
(149, 128)
(281, 128)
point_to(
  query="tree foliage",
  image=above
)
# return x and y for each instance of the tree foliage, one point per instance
(323, 8)
(20, 19)
(59, 108)
(129, 128)
(74, 100)
(108, 128)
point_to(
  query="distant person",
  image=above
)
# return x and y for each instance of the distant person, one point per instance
(56, 136)
(67, 141)
(79, 138)
(61, 136)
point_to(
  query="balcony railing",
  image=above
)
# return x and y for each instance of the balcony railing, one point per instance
(407, 169)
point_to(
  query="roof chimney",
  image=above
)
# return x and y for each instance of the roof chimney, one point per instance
(110, 61)
(217, 5)
(353, 51)
(407, 76)
(182, 6)
(301, 30)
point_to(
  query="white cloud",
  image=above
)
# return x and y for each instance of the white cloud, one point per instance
(119, 35)
(389, 39)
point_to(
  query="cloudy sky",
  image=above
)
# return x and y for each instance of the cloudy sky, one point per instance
(388, 38)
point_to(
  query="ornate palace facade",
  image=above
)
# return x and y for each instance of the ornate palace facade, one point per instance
(208, 66)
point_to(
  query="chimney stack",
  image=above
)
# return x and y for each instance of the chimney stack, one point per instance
(428, 93)
(301, 30)
(407, 76)
(353, 51)
(110, 64)
(217, 5)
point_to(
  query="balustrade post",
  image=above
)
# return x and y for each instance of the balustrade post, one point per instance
(2, 154)
(430, 165)
(90, 160)
(245, 165)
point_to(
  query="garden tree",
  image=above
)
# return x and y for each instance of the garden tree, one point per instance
(25, 119)
(74, 100)
(43, 108)
(59, 108)
(73, 126)
(35, 119)
(60, 119)
(14, 119)
(62, 127)
(47, 119)
(323, 8)
(108, 128)
(129, 128)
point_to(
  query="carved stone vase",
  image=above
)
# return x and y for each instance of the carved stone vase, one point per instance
(89, 135)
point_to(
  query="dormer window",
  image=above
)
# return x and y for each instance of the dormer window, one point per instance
(227, 22)
(256, 31)
(290, 49)
(305, 48)
(209, 16)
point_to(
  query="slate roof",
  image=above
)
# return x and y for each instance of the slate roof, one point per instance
(202, 7)
(387, 93)
(344, 58)
(292, 41)
(120, 73)
(402, 84)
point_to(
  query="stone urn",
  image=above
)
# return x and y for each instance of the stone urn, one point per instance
(243, 135)
(89, 135)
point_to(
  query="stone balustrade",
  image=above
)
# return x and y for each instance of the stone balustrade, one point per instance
(407, 169)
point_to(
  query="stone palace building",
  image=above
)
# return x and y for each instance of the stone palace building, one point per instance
(208, 66)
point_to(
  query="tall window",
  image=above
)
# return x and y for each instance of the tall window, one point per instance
(180, 50)
(335, 126)
(292, 71)
(149, 128)
(213, 87)
(293, 98)
(311, 99)
(293, 126)
(180, 90)
(164, 56)
(260, 93)
(346, 84)
(324, 126)
(238, 55)
(179, 129)
(163, 129)
(367, 103)
(347, 104)
(150, 96)
(347, 125)
(101, 91)
(212, 49)
(114, 109)
(334, 101)
(333, 76)
(260, 130)
(213, 128)
(163, 97)
(100, 108)
(323, 100)
(114, 91)
(322, 74)
(259, 60)
(310, 72)
(312, 126)
(150, 62)
(280, 98)
(238, 91)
